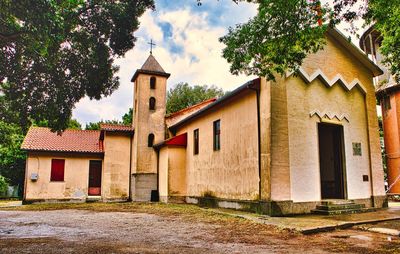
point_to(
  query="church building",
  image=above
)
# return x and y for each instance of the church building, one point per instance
(279, 147)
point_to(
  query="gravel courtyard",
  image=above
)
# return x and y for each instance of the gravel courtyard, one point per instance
(155, 228)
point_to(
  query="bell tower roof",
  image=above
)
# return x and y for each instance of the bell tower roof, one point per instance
(151, 67)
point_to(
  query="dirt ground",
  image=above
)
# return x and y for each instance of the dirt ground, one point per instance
(157, 228)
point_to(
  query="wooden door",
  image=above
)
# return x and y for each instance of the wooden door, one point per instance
(94, 178)
(331, 161)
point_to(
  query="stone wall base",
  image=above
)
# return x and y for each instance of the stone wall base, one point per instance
(73, 200)
(142, 185)
(276, 208)
(173, 199)
(53, 201)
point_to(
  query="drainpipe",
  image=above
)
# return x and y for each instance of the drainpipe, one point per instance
(257, 90)
(158, 173)
(130, 169)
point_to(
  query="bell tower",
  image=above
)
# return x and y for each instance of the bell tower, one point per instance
(149, 108)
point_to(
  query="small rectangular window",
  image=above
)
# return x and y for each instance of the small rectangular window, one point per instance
(217, 135)
(196, 141)
(57, 170)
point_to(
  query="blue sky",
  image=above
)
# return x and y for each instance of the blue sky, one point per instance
(187, 46)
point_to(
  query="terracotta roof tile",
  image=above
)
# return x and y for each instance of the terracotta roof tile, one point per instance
(116, 127)
(43, 139)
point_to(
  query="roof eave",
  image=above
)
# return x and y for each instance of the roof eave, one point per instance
(58, 151)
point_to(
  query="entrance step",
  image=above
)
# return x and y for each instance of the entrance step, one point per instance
(91, 199)
(337, 202)
(334, 207)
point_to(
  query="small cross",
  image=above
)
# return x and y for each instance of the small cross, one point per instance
(151, 46)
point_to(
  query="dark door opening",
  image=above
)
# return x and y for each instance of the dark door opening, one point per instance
(331, 161)
(94, 178)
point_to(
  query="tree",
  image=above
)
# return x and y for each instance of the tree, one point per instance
(53, 53)
(12, 159)
(282, 33)
(127, 117)
(73, 124)
(182, 95)
(3, 185)
(96, 125)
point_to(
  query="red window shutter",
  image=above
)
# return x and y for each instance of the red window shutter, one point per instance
(57, 170)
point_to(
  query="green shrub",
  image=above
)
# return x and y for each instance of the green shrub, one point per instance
(3, 185)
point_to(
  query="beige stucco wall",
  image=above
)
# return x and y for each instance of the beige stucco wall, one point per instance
(163, 174)
(74, 186)
(231, 172)
(177, 171)
(172, 172)
(303, 136)
(115, 175)
(265, 133)
(294, 147)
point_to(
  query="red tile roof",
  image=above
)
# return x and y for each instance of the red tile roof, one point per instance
(116, 127)
(198, 105)
(43, 139)
(173, 118)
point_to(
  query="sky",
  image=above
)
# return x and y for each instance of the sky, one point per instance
(187, 46)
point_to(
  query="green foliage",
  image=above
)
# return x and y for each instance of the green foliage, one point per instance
(3, 184)
(383, 150)
(53, 53)
(127, 117)
(277, 39)
(12, 159)
(96, 125)
(386, 14)
(72, 124)
(282, 33)
(182, 96)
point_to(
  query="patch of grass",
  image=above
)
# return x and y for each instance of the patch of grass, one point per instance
(182, 210)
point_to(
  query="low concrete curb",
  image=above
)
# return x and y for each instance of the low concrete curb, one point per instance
(323, 224)
(10, 204)
(343, 225)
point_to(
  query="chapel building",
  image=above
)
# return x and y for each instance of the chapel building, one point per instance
(278, 147)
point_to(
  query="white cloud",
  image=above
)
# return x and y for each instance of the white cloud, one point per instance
(191, 53)
(198, 60)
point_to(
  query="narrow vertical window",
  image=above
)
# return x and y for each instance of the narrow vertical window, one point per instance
(153, 83)
(57, 170)
(217, 135)
(152, 103)
(196, 141)
(150, 140)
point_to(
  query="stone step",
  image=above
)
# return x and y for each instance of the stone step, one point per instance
(340, 207)
(346, 211)
(91, 199)
(337, 202)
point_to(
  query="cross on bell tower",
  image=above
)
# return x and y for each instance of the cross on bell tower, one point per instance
(151, 46)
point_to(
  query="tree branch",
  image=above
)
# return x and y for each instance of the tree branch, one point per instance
(10, 36)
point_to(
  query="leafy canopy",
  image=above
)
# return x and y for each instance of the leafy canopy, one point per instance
(278, 38)
(12, 159)
(53, 53)
(282, 33)
(182, 95)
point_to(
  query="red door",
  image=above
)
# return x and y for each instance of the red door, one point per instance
(94, 178)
